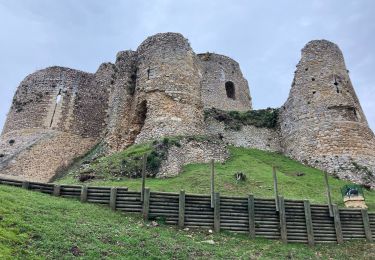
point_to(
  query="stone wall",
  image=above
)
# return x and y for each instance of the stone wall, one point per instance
(168, 87)
(161, 90)
(60, 99)
(267, 139)
(120, 129)
(322, 122)
(37, 155)
(192, 151)
(223, 85)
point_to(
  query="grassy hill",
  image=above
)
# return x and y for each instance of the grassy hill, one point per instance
(296, 181)
(39, 226)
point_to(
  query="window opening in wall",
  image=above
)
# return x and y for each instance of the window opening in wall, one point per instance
(336, 84)
(142, 112)
(58, 99)
(140, 116)
(230, 90)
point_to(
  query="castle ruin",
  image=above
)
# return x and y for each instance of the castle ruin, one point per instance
(165, 89)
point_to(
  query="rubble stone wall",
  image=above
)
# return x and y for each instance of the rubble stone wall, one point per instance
(161, 90)
(322, 122)
(220, 74)
(60, 99)
(267, 139)
(168, 83)
(191, 151)
(121, 102)
(37, 155)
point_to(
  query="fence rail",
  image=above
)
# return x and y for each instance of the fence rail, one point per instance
(294, 220)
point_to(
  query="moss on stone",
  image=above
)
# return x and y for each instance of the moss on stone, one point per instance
(235, 120)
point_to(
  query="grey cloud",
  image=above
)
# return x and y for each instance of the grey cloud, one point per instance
(265, 37)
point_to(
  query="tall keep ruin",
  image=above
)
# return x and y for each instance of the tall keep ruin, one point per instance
(322, 123)
(164, 89)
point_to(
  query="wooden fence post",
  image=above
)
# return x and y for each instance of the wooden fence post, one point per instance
(212, 183)
(25, 185)
(113, 198)
(283, 230)
(181, 209)
(144, 162)
(328, 194)
(146, 204)
(251, 212)
(56, 190)
(309, 224)
(84, 193)
(336, 218)
(217, 212)
(275, 188)
(366, 225)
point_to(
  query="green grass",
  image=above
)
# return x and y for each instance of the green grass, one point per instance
(38, 226)
(256, 165)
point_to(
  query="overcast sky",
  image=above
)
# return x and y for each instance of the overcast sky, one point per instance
(265, 37)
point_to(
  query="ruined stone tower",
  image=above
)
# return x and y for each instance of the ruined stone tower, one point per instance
(156, 92)
(164, 89)
(57, 114)
(223, 85)
(322, 122)
(60, 99)
(168, 82)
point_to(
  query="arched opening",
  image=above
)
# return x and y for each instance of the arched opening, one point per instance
(230, 90)
(141, 113)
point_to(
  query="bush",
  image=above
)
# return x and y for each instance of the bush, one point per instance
(235, 120)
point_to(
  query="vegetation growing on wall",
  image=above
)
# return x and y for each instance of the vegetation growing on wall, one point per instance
(125, 163)
(295, 180)
(128, 163)
(235, 120)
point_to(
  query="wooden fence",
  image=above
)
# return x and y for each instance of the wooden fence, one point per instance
(294, 221)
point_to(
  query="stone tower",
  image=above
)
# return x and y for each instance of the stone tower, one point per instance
(61, 99)
(322, 122)
(156, 92)
(56, 115)
(168, 84)
(223, 85)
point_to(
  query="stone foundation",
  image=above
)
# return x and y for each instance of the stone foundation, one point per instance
(191, 151)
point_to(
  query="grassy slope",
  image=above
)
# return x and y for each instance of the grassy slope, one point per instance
(38, 226)
(256, 164)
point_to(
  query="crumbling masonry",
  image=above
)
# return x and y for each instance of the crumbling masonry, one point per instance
(162, 89)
